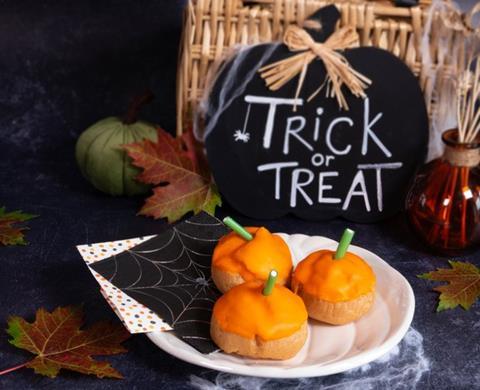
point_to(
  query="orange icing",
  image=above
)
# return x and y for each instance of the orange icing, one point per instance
(334, 280)
(254, 259)
(245, 311)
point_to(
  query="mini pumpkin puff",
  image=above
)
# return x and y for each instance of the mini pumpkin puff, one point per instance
(249, 254)
(258, 320)
(337, 287)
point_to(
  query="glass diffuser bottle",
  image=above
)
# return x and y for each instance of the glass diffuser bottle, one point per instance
(443, 204)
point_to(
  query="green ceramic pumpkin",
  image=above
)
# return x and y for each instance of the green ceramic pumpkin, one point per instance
(102, 160)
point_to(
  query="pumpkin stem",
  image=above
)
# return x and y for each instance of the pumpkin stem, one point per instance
(136, 105)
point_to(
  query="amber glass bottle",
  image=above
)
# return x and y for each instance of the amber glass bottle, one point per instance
(443, 204)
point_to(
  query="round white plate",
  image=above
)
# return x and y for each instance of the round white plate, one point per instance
(329, 349)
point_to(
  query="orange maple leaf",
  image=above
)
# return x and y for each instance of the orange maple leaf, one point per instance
(463, 286)
(11, 233)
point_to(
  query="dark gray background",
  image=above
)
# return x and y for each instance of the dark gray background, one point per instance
(65, 65)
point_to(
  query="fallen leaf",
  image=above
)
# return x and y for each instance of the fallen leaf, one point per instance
(175, 200)
(463, 286)
(11, 229)
(59, 343)
(163, 161)
(179, 169)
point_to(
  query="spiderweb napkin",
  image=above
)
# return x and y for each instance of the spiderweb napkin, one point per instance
(166, 276)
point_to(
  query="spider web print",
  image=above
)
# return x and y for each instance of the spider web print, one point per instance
(170, 274)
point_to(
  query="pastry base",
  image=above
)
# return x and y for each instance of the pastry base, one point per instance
(337, 313)
(225, 280)
(281, 349)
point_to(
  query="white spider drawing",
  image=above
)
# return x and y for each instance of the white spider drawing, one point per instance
(243, 135)
(239, 135)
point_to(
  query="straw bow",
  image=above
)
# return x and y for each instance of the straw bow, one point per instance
(339, 70)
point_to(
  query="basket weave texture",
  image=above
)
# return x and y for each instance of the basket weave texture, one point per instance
(212, 27)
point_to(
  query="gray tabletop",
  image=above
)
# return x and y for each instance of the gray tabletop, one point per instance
(65, 65)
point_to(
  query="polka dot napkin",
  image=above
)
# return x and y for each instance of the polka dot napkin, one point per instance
(136, 317)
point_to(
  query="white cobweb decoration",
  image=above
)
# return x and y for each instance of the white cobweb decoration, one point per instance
(231, 89)
(400, 369)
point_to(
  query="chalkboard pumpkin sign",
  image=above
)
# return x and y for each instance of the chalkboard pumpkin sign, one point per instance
(272, 154)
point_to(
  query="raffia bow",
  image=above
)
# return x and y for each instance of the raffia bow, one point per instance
(339, 70)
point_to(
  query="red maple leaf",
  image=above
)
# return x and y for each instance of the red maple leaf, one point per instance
(59, 343)
(179, 169)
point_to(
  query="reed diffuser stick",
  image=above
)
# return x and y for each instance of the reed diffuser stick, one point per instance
(468, 100)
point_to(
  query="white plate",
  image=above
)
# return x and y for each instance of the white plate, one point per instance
(329, 349)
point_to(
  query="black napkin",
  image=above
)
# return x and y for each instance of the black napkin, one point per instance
(170, 274)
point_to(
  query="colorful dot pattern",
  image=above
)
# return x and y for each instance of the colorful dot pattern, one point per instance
(136, 317)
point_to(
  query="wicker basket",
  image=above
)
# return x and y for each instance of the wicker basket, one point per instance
(211, 27)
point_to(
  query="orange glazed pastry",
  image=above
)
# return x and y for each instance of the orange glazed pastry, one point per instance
(236, 260)
(336, 291)
(248, 323)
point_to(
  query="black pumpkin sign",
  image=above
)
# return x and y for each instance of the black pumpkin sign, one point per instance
(315, 161)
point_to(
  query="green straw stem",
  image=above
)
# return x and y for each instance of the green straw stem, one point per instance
(272, 278)
(237, 228)
(344, 243)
